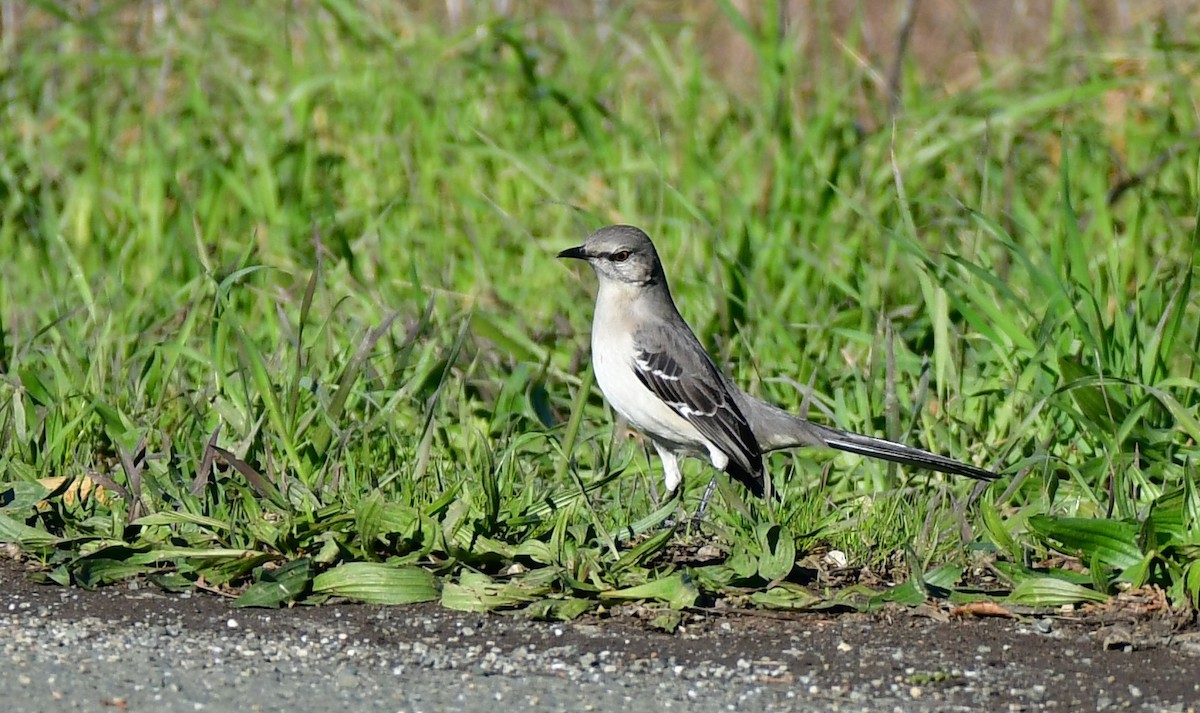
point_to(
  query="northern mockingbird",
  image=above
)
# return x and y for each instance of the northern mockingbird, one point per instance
(654, 372)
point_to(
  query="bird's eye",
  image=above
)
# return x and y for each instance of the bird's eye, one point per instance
(620, 256)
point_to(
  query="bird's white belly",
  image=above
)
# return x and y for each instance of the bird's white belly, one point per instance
(637, 404)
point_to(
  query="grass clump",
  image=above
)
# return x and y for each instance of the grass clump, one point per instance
(279, 316)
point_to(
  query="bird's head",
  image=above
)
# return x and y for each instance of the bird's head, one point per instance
(621, 253)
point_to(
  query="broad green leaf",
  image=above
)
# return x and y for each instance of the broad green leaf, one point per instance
(742, 563)
(916, 575)
(515, 342)
(714, 577)
(173, 582)
(559, 609)
(667, 620)
(909, 593)
(17, 532)
(1016, 572)
(536, 550)
(21, 495)
(676, 590)
(1051, 592)
(1166, 522)
(1139, 574)
(1183, 415)
(278, 586)
(786, 595)
(477, 548)
(478, 592)
(368, 517)
(856, 597)
(114, 420)
(944, 577)
(90, 572)
(778, 552)
(1112, 542)
(377, 583)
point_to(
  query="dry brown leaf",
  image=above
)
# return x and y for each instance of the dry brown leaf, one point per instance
(982, 609)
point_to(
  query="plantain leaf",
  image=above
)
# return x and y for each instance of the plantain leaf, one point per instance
(1111, 542)
(21, 495)
(1051, 592)
(778, 552)
(786, 595)
(478, 592)
(1139, 574)
(90, 573)
(667, 620)
(910, 593)
(559, 609)
(278, 586)
(377, 583)
(12, 530)
(742, 563)
(676, 590)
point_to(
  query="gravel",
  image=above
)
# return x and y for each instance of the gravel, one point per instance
(138, 649)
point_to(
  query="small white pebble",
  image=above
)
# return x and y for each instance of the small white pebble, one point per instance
(836, 559)
(231, 623)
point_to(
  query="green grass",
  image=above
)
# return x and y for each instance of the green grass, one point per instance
(279, 314)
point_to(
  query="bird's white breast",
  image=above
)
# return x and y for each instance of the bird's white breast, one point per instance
(612, 360)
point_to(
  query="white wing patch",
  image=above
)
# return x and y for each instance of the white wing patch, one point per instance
(689, 412)
(645, 365)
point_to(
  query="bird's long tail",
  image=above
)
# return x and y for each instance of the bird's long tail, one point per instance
(897, 453)
(775, 429)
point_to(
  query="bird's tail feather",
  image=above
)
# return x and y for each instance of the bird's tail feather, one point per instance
(775, 428)
(897, 453)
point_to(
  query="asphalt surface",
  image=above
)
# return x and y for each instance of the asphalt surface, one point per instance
(135, 648)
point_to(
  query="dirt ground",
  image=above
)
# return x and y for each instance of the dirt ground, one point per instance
(1131, 655)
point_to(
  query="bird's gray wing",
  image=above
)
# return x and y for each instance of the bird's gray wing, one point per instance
(680, 372)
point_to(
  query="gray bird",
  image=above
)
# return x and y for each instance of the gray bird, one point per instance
(656, 374)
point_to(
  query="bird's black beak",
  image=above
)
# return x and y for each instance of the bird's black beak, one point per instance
(576, 253)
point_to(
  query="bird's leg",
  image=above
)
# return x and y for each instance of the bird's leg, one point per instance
(654, 497)
(672, 476)
(708, 492)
